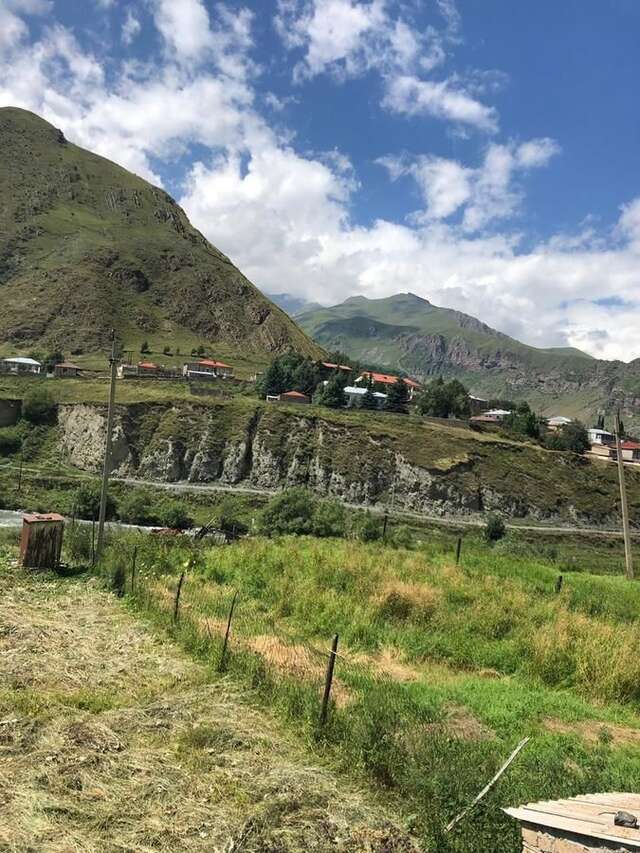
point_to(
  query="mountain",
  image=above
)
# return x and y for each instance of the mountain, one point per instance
(293, 305)
(86, 246)
(409, 333)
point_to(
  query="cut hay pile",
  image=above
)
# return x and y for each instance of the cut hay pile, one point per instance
(112, 739)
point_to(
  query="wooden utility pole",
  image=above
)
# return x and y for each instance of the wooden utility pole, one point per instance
(106, 467)
(628, 558)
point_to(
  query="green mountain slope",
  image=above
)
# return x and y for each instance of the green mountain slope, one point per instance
(409, 333)
(86, 246)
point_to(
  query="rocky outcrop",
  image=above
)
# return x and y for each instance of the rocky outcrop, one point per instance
(427, 469)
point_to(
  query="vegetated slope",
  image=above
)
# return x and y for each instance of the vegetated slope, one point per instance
(431, 468)
(114, 740)
(86, 246)
(409, 332)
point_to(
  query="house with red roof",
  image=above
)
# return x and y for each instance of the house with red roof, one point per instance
(293, 397)
(207, 368)
(630, 451)
(387, 379)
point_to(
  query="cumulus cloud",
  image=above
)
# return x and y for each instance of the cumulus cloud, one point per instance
(130, 28)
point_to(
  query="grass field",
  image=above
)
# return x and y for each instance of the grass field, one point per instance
(442, 668)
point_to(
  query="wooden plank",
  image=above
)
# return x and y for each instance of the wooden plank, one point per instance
(577, 827)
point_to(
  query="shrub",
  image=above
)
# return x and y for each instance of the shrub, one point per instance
(144, 347)
(77, 542)
(174, 513)
(292, 511)
(368, 528)
(329, 519)
(86, 502)
(10, 440)
(137, 508)
(166, 350)
(228, 520)
(494, 528)
(402, 537)
(38, 406)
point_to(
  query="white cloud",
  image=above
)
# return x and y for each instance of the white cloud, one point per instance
(536, 152)
(130, 28)
(411, 96)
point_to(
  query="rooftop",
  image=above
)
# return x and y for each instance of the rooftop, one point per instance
(294, 394)
(591, 815)
(19, 359)
(389, 379)
(353, 389)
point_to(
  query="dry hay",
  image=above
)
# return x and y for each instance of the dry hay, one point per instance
(112, 739)
(594, 731)
(407, 600)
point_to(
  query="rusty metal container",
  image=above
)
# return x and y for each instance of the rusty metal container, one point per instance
(41, 542)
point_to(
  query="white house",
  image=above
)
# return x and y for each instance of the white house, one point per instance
(496, 414)
(600, 436)
(557, 422)
(355, 394)
(21, 364)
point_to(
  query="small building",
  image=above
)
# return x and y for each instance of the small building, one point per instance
(600, 436)
(327, 368)
(207, 368)
(141, 370)
(495, 415)
(557, 422)
(21, 365)
(355, 394)
(477, 404)
(293, 397)
(386, 380)
(66, 369)
(630, 451)
(592, 823)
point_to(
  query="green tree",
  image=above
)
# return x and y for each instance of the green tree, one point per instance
(86, 502)
(572, 437)
(305, 378)
(292, 511)
(52, 359)
(136, 507)
(38, 406)
(329, 519)
(523, 421)
(397, 397)
(368, 400)
(173, 513)
(494, 528)
(368, 528)
(166, 350)
(442, 399)
(333, 394)
(144, 347)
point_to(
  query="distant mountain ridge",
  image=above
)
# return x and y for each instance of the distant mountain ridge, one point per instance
(408, 333)
(86, 246)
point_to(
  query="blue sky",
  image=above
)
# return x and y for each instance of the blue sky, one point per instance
(481, 154)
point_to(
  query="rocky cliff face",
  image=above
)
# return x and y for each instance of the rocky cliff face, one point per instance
(429, 469)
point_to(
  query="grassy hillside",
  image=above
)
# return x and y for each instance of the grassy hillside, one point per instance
(442, 668)
(407, 332)
(86, 246)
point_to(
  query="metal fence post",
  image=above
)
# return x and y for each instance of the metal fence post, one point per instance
(177, 603)
(133, 569)
(458, 549)
(223, 654)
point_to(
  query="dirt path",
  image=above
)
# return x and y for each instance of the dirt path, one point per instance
(112, 739)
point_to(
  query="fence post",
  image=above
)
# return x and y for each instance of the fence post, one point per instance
(324, 711)
(384, 525)
(93, 542)
(133, 569)
(559, 583)
(176, 606)
(458, 549)
(223, 654)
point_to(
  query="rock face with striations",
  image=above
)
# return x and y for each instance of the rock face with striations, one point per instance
(86, 246)
(430, 468)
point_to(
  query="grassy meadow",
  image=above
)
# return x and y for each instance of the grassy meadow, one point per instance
(442, 669)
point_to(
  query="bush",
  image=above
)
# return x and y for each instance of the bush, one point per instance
(10, 440)
(228, 520)
(38, 406)
(329, 519)
(494, 529)
(402, 537)
(137, 508)
(77, 543)
(292, 511)
(174, 514)
(368, 528)
(86, 502)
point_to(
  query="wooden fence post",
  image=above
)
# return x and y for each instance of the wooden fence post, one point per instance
(324, 711)
(223, 654)
(559, 583)
(176, 606)
(458, 549)
(93, 542)
(133, 569)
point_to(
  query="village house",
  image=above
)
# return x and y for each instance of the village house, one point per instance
(354, 395)
(66, 370)
(327, 368)
(20, 365)
(600, 436)
(557, 422)
(477, 404)
(494, 415)
(207, 368)
(386, 380)
(293, 397)
(142, 370)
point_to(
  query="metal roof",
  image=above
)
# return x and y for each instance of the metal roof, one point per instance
(590, 815)
(19, 359)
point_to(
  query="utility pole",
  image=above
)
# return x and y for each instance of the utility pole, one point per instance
(623, 503)
(106, 468)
